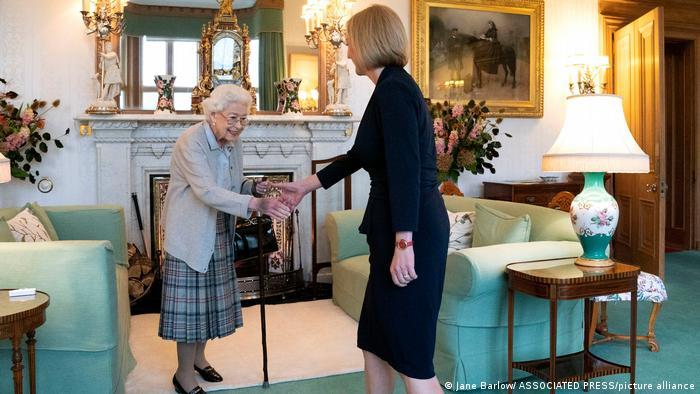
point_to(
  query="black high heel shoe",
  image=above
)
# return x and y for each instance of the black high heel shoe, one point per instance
(209, 374)
(180, 390)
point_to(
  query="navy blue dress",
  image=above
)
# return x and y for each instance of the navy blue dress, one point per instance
(396, 146)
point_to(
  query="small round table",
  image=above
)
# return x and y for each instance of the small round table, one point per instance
(19, 316)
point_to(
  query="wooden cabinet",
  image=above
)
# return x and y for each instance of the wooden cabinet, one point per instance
(535, 193)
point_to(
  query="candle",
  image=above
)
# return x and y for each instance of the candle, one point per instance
(86, 5)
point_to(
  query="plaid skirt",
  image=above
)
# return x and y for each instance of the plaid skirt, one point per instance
(199, 306)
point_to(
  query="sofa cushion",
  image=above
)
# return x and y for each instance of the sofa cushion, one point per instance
(495, 227)
(344, 225)
(461, 229)
(26, 227)
(547, 224)
(38, 212)
(5, 233)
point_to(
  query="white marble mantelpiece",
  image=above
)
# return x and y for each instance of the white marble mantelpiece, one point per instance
(131, 147)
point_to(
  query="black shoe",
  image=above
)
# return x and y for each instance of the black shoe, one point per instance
(180, 390)
(209, 374)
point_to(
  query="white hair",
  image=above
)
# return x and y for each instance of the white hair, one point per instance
(225, 95)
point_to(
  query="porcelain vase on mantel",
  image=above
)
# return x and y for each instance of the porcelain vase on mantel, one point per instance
(288, 96)
(164, 86)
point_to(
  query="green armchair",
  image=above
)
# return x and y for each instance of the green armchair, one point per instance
(472, 325)
(83, 347)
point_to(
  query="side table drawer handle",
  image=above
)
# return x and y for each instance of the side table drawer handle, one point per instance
(530, 199)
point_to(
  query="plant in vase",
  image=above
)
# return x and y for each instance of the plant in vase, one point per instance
(281, 95)
(22, 136)
(164, 86)
(291, 104)
(465, 139)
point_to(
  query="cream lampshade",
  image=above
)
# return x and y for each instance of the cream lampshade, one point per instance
(595, 139)
(4, 169)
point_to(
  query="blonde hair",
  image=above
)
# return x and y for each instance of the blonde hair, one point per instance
(225, 95)
(378, 37)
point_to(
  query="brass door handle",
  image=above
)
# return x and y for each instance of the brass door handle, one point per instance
(651, 188)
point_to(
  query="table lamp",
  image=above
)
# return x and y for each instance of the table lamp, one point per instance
(5, 173)
(594, 140)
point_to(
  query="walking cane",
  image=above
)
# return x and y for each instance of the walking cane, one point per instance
(261, 262)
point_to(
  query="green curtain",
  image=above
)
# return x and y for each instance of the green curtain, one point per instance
(164, 26)
(271, 68)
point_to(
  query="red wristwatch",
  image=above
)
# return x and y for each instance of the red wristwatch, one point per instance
(403, 244)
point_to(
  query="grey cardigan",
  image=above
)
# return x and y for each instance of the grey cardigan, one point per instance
(194, 198)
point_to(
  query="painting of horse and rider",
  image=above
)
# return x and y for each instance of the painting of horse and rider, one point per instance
(481, 52)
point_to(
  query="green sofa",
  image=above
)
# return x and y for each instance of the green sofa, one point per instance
(472, 327)
(83, 347)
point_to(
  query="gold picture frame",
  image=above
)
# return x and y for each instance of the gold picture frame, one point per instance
(456, 42)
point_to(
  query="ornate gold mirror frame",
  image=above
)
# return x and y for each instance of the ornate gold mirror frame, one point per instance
(225, 25)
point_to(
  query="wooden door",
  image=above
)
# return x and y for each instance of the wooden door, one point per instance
(638, 68)
(680, 112)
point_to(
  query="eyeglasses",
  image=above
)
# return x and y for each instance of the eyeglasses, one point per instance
(233, 119)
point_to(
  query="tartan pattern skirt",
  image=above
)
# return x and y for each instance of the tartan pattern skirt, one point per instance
(199, 306)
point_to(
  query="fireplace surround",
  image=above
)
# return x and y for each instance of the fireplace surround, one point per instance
(123, 152)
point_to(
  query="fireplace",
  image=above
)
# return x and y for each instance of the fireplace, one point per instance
(125, 150)
(282, 275)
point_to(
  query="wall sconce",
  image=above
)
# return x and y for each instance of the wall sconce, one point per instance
(103, 17)
(587, 74)
(325, 20)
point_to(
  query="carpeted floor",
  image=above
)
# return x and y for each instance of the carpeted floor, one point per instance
(305, 340)
(677, 330)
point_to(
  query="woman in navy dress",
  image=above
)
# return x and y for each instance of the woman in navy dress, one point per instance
(405, 220)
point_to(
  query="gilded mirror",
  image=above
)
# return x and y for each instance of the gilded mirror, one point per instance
(224, 52)
(226, 59)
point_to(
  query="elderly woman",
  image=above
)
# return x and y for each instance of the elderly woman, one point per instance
(405, 220)
(207, 191)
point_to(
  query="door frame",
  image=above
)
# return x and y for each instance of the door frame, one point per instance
(673, 29)
(693, 43)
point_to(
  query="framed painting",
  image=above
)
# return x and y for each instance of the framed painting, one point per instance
(488, 50)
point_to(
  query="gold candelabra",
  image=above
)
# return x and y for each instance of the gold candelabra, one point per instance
(587, 74)
(325, 20)
(103, 17)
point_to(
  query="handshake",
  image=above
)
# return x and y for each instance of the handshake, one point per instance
(278, 207)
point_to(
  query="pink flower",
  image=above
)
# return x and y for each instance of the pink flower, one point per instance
(439, 145)
(603, 219)
(457, 110)
(295, 105)
(437, 126)
(27, 116)
(15, 141)
(476, 131)
(452, 141)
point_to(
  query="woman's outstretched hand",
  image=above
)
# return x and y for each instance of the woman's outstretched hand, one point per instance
(263, 187)
(292, 193)
(270, 206)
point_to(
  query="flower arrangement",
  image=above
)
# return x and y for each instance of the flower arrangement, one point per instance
(464, 138)
(22, 139)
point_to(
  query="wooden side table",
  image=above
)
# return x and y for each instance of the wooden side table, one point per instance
(561, 279)
(19, 317)
(535, 193)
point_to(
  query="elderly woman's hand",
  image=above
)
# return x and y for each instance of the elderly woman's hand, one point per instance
(270, 206)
